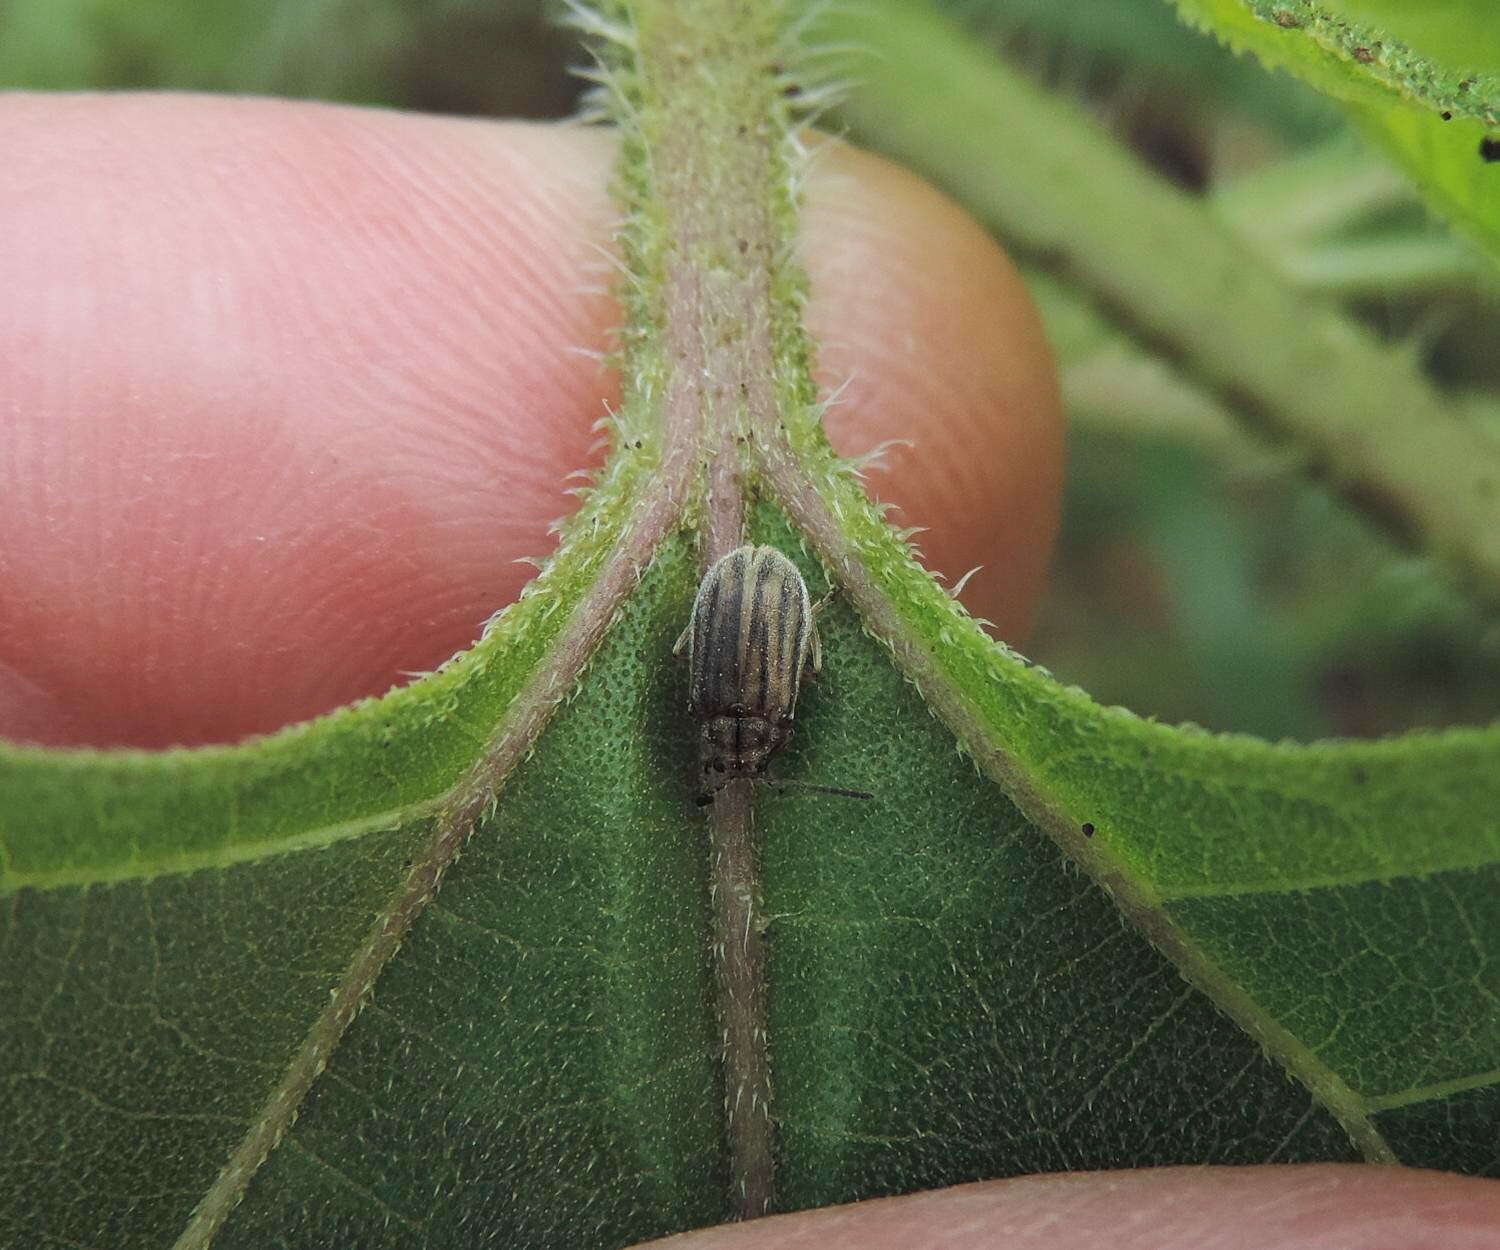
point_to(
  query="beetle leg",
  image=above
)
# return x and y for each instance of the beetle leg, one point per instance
(682, 639)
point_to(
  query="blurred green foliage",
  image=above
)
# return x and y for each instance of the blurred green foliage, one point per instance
(498, 57)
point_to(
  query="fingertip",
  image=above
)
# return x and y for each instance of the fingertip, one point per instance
(1310, 1207)
(296, 387)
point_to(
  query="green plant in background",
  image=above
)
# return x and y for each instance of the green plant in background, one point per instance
(189, 956)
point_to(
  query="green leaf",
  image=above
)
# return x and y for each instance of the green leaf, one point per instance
(442, 969)
(1421, 83)
(1458, 31)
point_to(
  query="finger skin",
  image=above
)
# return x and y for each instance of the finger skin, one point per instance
(290, 388)
(1322, 1207)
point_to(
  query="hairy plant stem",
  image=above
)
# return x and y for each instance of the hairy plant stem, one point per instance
(711, 128)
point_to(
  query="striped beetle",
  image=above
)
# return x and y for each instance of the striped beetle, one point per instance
(750, 641)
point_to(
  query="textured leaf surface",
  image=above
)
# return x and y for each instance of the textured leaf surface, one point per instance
(1424, 81)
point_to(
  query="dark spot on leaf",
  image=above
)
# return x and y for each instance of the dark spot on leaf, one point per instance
(1489, 148)
(1282, 18)
(1088, 829)
(1446, 115)
(1363, 55)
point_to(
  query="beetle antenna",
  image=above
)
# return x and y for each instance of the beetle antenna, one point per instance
(777, 784)
(704, 799)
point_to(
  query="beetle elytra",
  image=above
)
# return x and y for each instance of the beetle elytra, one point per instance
(750, 641)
